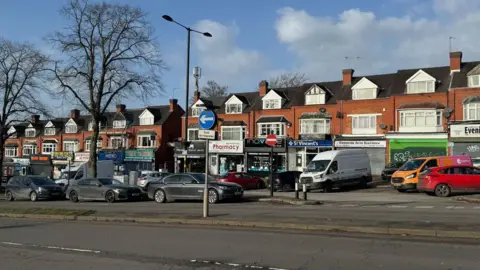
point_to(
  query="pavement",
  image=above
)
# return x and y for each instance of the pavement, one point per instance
(29, 244)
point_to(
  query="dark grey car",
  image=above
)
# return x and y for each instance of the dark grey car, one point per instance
(190, 186)
(102, 189)
(32, 187)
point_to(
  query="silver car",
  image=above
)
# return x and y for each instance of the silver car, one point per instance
(146, 177)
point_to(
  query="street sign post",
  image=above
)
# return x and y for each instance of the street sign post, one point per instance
(206, 120)
(271, 141)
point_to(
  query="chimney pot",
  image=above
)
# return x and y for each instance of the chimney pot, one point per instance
(347, 76)
(173, 104)
(75, 113)
(35, 118)
(121, 107)
(455, 61)
(263, 88)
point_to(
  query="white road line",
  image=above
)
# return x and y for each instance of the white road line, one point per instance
(12, 244)
(458, 207)
(398, 206)
(272, 268)
(348, 205)
(370, 206)
(233, 264)
(449, 207)
(424, 207)
(476, 207)
(52, 247)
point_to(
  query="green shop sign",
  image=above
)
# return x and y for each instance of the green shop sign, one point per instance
(139, 155)
(401, 150)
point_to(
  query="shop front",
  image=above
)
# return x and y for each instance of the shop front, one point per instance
(374, 146)
(401, 149)
(41, 165)
(303, 151)
(257, 156)
(139, 160)
(465, 140)
(191, 159)
(225, 156)
(22, 165)
(118, 158)
(60, 161)
(81, 157)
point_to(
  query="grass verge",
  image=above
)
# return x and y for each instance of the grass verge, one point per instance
(47, 211)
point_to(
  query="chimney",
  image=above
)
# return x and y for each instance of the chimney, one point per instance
(455, 61)
(121, 107)
(35, 118)
(173, 104)
(196, 96)
(74, 114)
(263, 88)
(347, 76)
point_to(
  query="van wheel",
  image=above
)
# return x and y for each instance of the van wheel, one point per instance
(328, 187)
(442, 190)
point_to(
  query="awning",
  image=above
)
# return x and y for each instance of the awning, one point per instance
(422, 105)
(272, 119)
(11, 145)
(233, 123)
(49, 141)
(147, 132)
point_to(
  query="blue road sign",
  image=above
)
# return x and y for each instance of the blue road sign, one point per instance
(207, 119)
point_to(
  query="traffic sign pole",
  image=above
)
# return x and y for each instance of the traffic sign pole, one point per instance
(271, 141)
(205, 190)
(207, 120)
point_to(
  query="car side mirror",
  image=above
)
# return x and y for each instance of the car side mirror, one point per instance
(99, 185)
(304, 169)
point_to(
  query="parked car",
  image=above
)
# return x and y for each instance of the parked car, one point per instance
(446, 180)
(190, 186)
(102, 189)
(243, 179)
(285, 181)
(146, 177)
(32, 187)
(389, 169)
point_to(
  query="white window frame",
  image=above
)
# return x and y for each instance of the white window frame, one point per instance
(364, 124)
(189, 136)
(474, 81)
(70, 128)
(359, 94)
(471, 111)
(264, 128)
(233, 130)
(417, 114)
(30, 130)
(416, 87)
(237, 108)
(146, 121)
(315, 126)
(196, 111)
(11, 151)
(51, 147)
(150, 143)
(70, 146)
(31, 149)
(315, 96)
(88, 142)
(50, 131)
(119, 123)
(124, 142)
(272, 104)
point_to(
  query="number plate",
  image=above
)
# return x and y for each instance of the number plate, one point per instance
(238, 193)
(397, 185)
(135, 194)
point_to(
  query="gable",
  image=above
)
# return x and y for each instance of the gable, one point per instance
(272, 94)
(364, 83)
(199, 102)
(146, 114)
(70, 122)
(49, 124)
(30, 126)
(315, 88)
(234, 100)
(474, 71)
(420, 76)
(11, 130)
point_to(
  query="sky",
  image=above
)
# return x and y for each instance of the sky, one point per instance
(254, 40)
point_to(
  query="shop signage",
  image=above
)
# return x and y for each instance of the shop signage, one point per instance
(139, 155)
(115, 156)
(261, 142)
(22, 161)
(225, 147)
(39, 158)
(62, 156)
(82, 157)
(310, 143)
(194, 148)
(363, 144)
(204, 134)
(465, 131)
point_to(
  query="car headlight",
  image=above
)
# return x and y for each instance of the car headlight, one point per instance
(413, 175)
(318, 176)
(40, 189)
(117, 190)
(223, 187)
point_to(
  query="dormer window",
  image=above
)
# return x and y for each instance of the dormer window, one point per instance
(50, 131)
(12, 132)
(272, 100)
(421, 82)
(233, 108)
(474, 81)
(315, 96)
(146, 118)
(71, 127)
(119, 124)
(30, 132)
(364, 89)
(197, 108)
(197, 111)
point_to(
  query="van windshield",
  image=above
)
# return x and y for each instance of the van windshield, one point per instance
(317, 165)
(412, 165)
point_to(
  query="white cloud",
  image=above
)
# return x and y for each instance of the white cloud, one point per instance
(383, 44)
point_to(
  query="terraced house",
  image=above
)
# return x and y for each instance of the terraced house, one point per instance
(414, 112)
(135, 139)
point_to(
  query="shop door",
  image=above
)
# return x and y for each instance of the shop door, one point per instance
(402, 149)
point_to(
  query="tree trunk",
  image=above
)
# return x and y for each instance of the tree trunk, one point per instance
(2, 154)
(93, 147)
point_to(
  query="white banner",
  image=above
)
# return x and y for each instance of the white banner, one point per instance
(82, 157)
(465, 131)
(232, 147)
(361, 144)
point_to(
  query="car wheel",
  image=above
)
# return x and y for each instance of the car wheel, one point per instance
(401, 190)
(442, 190)
(33, 196)
(160, 196)
(9, 196)
(286, 187)
(212, 196)
(259, 185)
(73, 196)
(110, 197)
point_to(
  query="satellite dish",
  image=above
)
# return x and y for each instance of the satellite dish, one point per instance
(447, 115)
(323, 110)
(448, 110)
(382, 126)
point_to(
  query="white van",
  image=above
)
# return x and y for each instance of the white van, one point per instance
(337, 168)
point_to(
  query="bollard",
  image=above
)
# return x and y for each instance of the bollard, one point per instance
(304, 192)
(296, 190)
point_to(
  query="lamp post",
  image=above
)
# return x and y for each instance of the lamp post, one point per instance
(187, 83)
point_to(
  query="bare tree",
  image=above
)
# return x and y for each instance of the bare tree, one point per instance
(22, 74)
(108, 53)
(212, 89)
(287, 80)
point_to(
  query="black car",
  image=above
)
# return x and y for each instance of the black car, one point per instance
(190, 186)
(285, 181)
(32, 187)
(102, 189)
(390, 168)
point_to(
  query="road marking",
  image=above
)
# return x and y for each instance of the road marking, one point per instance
(398, 206)
(369, 206)
(11, 244)
(52, 247)
(235, 265)
(476, 207)
(458, 207)
(424, 207)
(449, 207)
(348, 205)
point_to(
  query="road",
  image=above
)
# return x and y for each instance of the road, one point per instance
(27, 244)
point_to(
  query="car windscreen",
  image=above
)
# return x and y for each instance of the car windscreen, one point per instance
(109, 181)
(412, 165)
(41, 181)
(317, 165)
(394, 165)
(201, 178)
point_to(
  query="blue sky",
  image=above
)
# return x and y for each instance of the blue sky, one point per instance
(254, 40)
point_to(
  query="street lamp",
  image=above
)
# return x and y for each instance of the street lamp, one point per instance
(189, 30)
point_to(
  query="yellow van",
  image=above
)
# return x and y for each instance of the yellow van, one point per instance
(406, 177)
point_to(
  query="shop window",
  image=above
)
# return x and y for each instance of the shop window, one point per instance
(11, 151)
(262, 163)
(265, 129)
(471, 111)
(315, 126)
(145, 141)
(88, 144)
(193, 134)
(48, 148)
(233, 133)
(70, 146)
(364, 124)
(29, 149)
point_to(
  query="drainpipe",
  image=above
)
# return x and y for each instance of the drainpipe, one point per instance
(450, 148)
(341, 118)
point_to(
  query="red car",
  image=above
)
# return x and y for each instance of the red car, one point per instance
(246, 181)
(443, 181)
